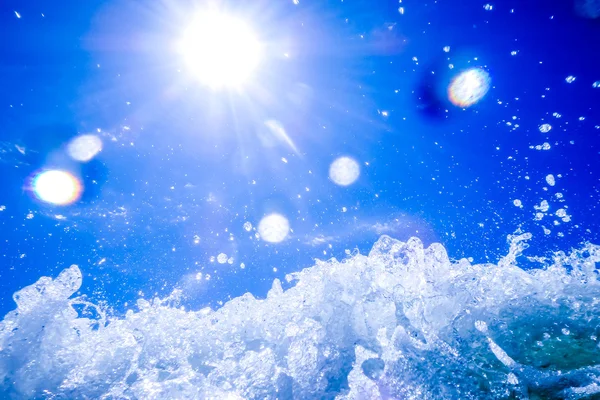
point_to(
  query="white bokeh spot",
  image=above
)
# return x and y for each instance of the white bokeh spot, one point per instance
(84, 147)
(344, 171)
(274, 228)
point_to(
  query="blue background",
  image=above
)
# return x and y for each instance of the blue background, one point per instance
(181, 161)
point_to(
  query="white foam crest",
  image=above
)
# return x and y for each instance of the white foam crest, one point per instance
(402, 322)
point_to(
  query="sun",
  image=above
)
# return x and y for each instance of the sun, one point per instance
(220, 50)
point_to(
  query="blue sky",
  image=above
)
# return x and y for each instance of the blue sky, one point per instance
(184, 167)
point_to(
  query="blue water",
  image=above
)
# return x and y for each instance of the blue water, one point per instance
(166, 231)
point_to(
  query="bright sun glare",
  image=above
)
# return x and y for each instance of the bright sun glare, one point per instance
(220, 50)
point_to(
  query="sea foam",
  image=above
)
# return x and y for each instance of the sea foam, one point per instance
(404, 322)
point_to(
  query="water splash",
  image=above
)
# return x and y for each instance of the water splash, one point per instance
(403, 322)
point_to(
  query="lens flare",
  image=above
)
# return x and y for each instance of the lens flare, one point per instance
(273, 228)
(56, 187)
(344, 171)
(84, 147)
(469, 87)
(220, 50)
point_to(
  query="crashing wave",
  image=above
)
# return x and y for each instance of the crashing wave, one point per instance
(403, 322)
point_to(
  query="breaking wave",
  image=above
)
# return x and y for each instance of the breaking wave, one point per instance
(403, 322)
